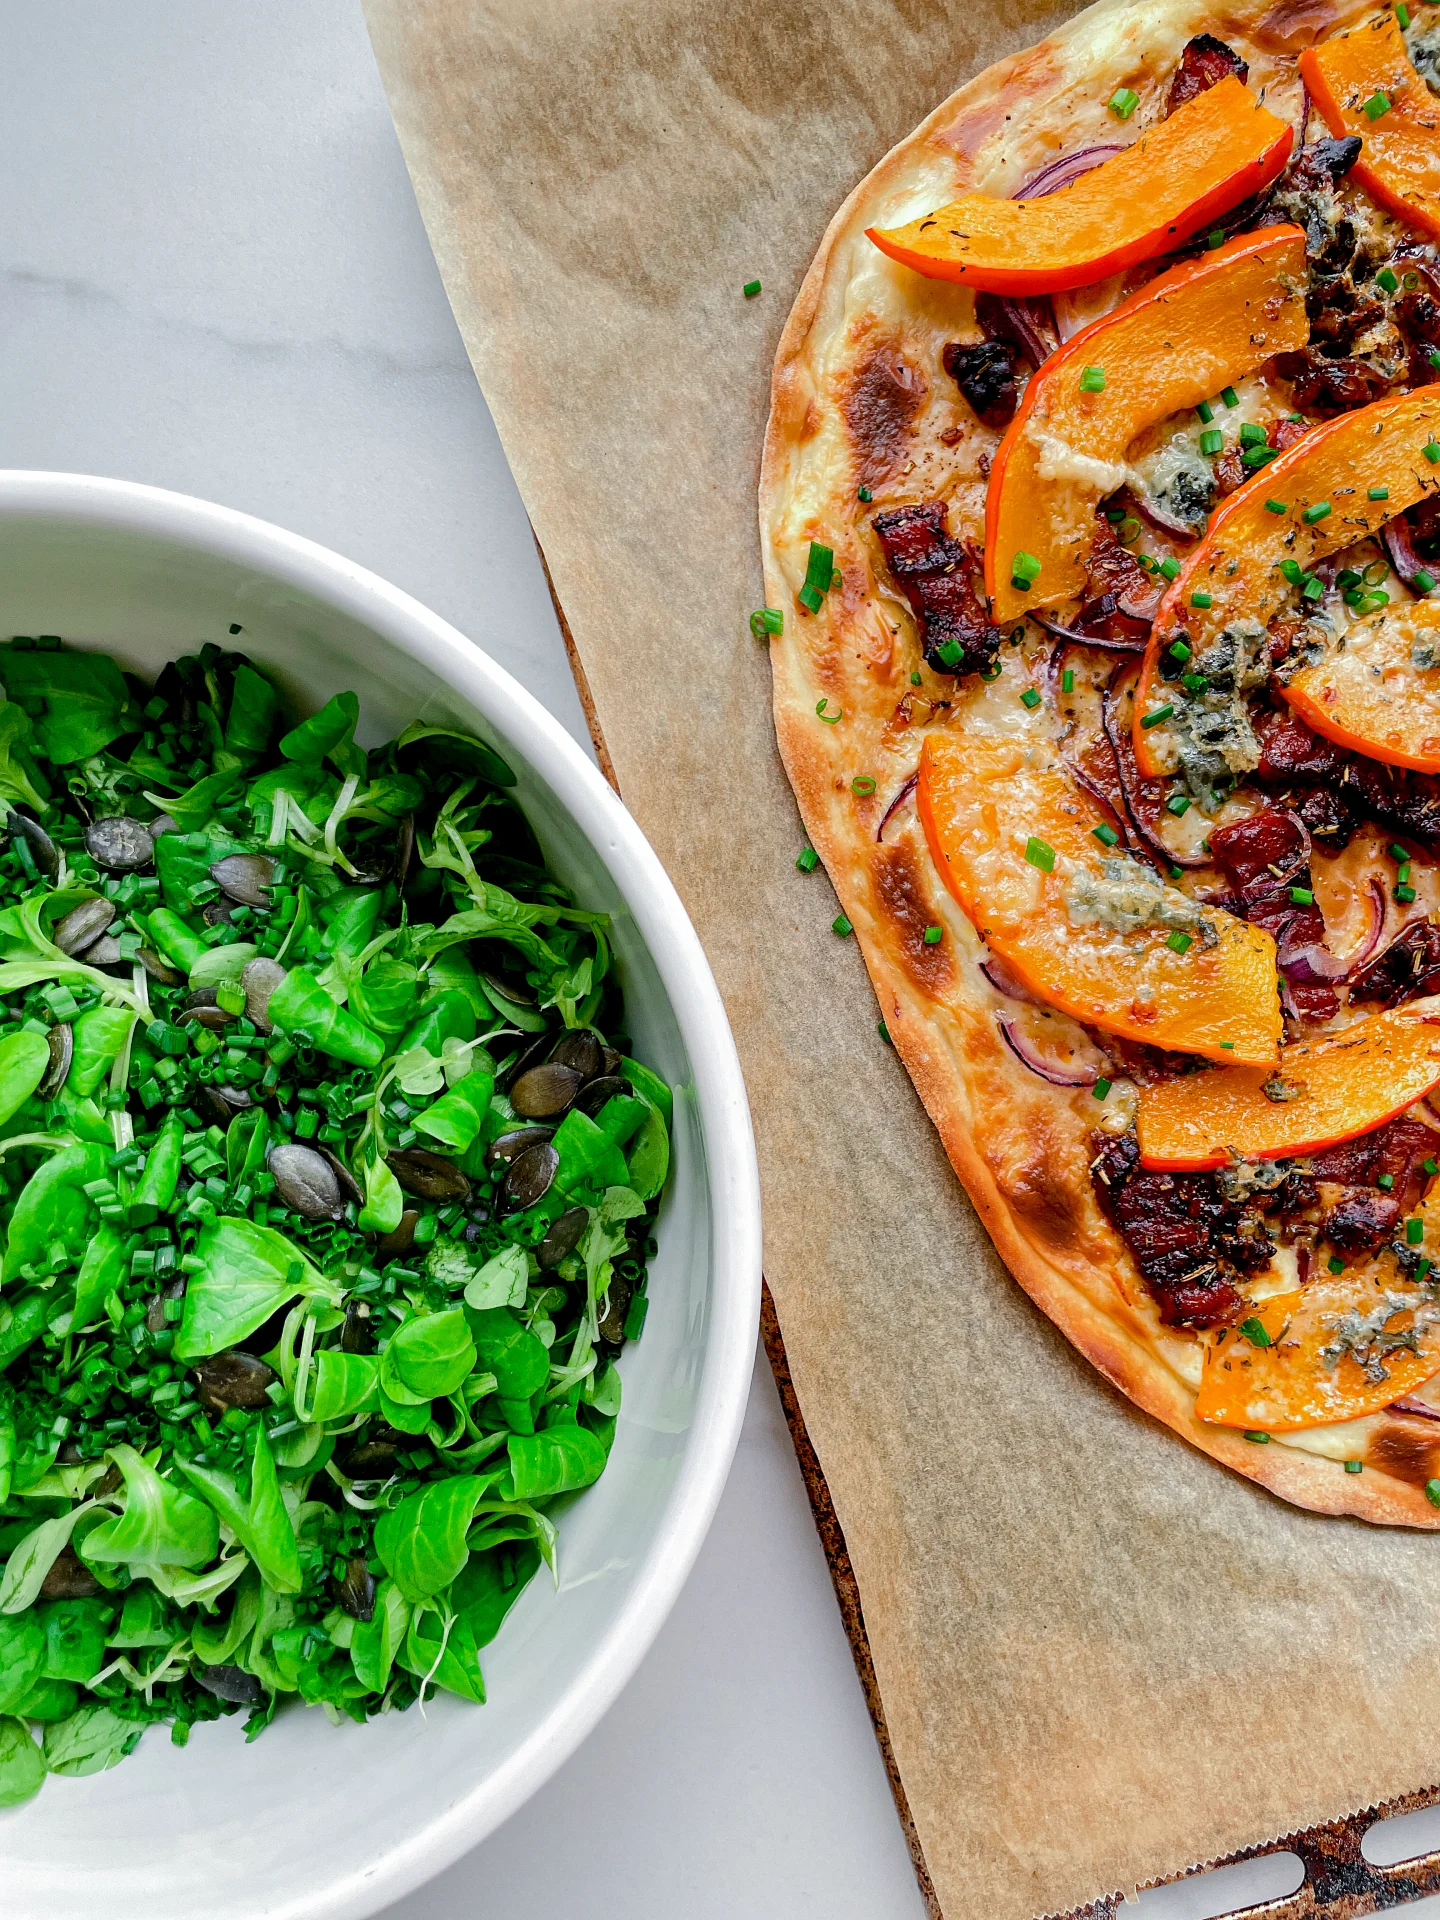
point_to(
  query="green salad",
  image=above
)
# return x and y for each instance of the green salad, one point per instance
(327, 1187)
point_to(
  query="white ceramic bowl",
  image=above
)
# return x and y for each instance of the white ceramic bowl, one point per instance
(314, 1820)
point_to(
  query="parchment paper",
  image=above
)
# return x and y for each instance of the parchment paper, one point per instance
(1102, 1657)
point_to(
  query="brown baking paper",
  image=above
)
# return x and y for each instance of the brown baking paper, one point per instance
(1102, 1657)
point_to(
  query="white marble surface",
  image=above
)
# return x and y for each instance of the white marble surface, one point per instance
(213, 278)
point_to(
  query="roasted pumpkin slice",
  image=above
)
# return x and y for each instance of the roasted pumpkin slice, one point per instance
(1089, 931)
(1342, 481)
(1346, 1344)
(1362, 82)
(1176, 179)
(1325, 1090)
(1194, 330)
(1378, 690)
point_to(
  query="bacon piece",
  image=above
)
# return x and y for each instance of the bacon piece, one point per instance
(1290, 751)
(1284, 433)
(1407, 803)
(1356, 1219)
(1204, 63)
(986, 376)
(1259, 854)
(939, 577)
(1182, 1235)
(1406, 969)
(1331, 386)
(1119, 585)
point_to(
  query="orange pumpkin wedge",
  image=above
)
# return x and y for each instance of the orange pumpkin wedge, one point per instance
(1198, 328)
(1175, 180)
(1399, 164)
(1379, 692)
(1340, 1347)
(1094, 935)
(1325, 1090)
(1328, 476)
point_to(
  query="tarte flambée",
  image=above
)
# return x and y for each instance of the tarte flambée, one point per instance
(1100, 501)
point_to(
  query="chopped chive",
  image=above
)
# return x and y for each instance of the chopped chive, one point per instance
(1123, 102)
(765, 621)
(1397, 852)
(1251, 435)
(915, 680)
(1386, 279)
(864, 493)
(1175, 872)
(1101, 1087)
(811, 599)
(1178, 805)
(1432, 1492)
(1206, 412)
(1092, 380)
(1335, 1264)
(750, 289)
(1254, 1331)
(884, 1032)
(1276, 506)
(1319, 511)
(1405, 895)
(1067, 680)
(1179, 650)
(1386, 1182)
(1402, 13)
(1260, 1439)
(1228, 1046)
(1257, 457)
(1030, 698)
(1301, 897)
(1179, 942)
(1379, 493)
(1216, 238)
(1433, 356)
(829, 718)
(862, 786)
(1414, 1232)
(807, 860)
(1229, 396)
(1040, 854)
(1212, 440)
(1170, 568)
(1354, 1466)
(933, 936)
(1423, 579)
(1149, 720)
(1422, 1267)
(1313, 589)
(1431, 451)
(1375, 105)
(1024, 569)
(1105, 834)
(841, 925)
(1430, 1166)
(950, 653)
(1201, 599)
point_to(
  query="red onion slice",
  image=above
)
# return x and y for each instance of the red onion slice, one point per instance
(1085, 639)
(1030, 327)
(1059, 173)
(1058, 1076)
(1129, 776)
(901, 797)
(1006, 982)
(1159, 519)
(1399, 550)
(1407, 1405)
(1316, 965)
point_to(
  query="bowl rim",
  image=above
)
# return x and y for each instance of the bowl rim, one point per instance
(731, 1171)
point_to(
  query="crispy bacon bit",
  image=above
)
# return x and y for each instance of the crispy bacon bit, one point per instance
(1329, 386)
(1289, 751)
(1259, 854)
(1408, 968)
(1356, 1219)
(1284, 433)
(986, 376)
(1184, 1237)
(1118, 584)
(1407, 803)
(1394, 1151)
(1205, 62)
(939, 577)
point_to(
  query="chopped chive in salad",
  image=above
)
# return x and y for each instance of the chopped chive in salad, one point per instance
(328, 1187)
